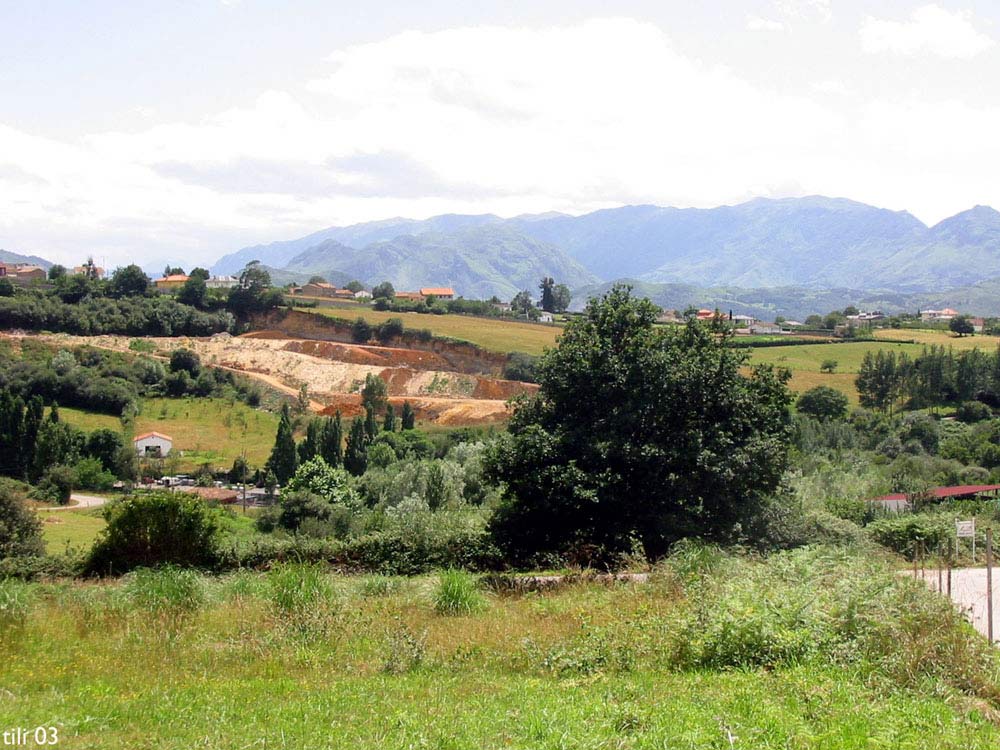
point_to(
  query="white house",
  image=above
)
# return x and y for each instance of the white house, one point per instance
(362, 294)
(222, 282)
(545, 317)
(153, 444)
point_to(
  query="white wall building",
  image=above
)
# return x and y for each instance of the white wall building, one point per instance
(153, 444)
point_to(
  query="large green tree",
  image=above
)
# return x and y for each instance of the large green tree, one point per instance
(638, 433)
(283, 460)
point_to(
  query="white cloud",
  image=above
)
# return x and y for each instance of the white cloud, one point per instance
(805, 9)
(929, 30)
(507, 120)
(756, 23)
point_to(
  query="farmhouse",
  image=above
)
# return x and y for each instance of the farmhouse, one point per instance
(324, 289)
(440, 292)
(22, 272)
(174, 281)
(409, 296)
(899, 501)
(153, 444)
(96, 271)
(362, 294)
(222, 282)
(931, 316)
(705, 314)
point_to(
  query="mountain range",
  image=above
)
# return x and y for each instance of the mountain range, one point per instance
(792, 244)
(6, 256)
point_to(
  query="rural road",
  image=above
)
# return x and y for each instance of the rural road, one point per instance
(82, 501)
(968, 592)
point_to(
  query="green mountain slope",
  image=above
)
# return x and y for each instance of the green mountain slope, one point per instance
(478, 262)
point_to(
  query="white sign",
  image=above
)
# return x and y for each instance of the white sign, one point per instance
(965, 529)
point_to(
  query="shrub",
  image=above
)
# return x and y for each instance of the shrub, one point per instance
(458, 594)
(155, 529)
(185, 360)
(20, 529)
(391, 329)
(521, 366)
(91, 475)
(903, 533)
(823, 402)
(57, 484)
(361, 331)
(972, 411)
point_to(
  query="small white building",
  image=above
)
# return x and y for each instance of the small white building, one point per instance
(222, 282)
(545, 317)
(362, 294)
(153, 444)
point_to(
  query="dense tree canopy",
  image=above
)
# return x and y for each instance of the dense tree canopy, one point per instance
(638, 433)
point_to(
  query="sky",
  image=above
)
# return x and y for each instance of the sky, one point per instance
(148, 131)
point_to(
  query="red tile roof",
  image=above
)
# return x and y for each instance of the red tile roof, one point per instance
(961, 490)
(145, 435)
(437, 291)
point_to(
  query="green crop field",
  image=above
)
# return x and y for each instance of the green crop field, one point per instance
(209, 430)
(493, 334)
(302, 659)
(805, 361)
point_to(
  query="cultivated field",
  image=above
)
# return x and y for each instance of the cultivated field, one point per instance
(805, 361)
(492, 334)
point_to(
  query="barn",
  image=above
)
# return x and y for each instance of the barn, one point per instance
(153, 444)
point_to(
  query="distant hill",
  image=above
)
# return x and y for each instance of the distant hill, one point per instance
(796, 302)
(6, 256)
(477, 261)
(813, 242)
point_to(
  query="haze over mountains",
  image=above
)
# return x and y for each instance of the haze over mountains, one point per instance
(812, 243)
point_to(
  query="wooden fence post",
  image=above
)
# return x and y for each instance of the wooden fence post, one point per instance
(989, 584)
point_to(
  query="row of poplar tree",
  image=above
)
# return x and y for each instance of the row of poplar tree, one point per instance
(324, 436)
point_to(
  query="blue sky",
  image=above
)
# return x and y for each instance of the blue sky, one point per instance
(184, 130)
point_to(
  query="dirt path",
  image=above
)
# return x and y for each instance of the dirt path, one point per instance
(968, 592)
(82, 502)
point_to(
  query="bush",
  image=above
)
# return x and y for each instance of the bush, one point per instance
(522, 367)
(185, 360)
(155, 529)
(903, 533)
(361, 331)
(391, 329)
(91, 475)
(57, 484)
(972, 411)
(458, 594)
(823, 402)
(20, 529)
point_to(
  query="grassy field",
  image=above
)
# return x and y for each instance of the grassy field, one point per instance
(71, 529)
(206, 429)
(493, 334)
(804, 361)
(300, 659)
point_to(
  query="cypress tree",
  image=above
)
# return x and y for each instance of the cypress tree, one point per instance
(11, 424)
(283, 459)
(33, 416)
(356, 454)
(389, 425)
(309, 447)
(331, 441)
(409, 418)
(371, 424)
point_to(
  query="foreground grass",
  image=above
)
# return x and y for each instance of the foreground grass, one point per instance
(305, 659)
(206, 430)
(493, 334)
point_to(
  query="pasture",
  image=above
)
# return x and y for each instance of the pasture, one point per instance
(70, 529)
(494, 334)
(207, 430)
(299, 658)
(805, 361)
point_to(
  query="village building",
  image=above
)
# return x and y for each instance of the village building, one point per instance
(222, 282)
(96, 271)
(362, 294)
(934, 316)
(173, 282)
(438, 292)
(409, 296)
(153, 444)
(22, 273)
